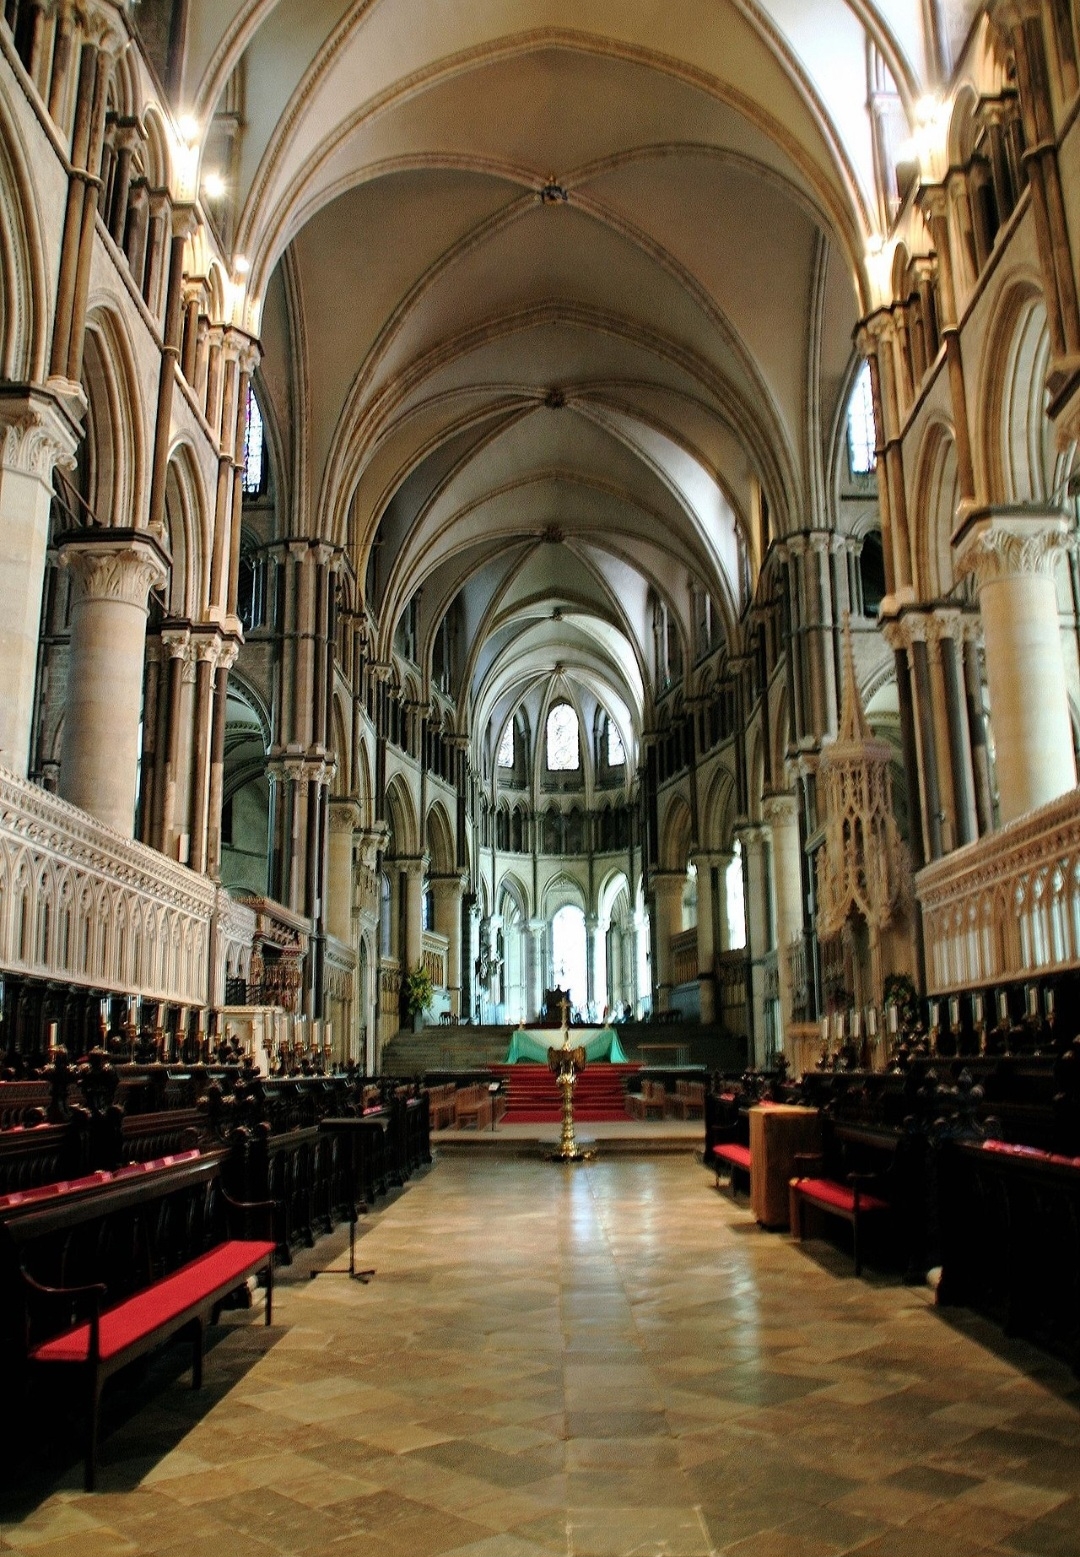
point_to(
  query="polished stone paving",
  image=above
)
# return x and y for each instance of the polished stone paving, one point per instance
(587, 1361)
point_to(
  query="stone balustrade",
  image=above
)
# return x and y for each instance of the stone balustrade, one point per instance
(83, 905)
(1008, 906)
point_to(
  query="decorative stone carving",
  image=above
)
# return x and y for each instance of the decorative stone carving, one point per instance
(35, 436)
(996, 544)
(120, 566)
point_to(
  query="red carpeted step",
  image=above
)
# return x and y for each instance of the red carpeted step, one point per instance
(533, 1096)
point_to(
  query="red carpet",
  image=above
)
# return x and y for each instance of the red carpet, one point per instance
(533, 1096)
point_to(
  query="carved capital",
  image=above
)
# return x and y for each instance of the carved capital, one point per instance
(1005, 543)
(114, 565)
(780, 810)
(344, 816)
(36, 434)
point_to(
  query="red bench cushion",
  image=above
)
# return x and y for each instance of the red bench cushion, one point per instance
(738, 1156)
(141, 1315)
(839, 1197)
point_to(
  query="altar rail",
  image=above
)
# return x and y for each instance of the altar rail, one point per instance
(83, 905)
(1008, 906)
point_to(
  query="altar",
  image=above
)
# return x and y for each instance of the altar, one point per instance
(531, 1045)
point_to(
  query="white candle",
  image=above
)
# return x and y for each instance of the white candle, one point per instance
(1032, 1000)
(978, 1009)
(1048, 1002)
(935, 1013)
(954, 1013)
(894, 1021)
(871, 1021)
(825, 1030)
(1003, 1007)
(856, 1025)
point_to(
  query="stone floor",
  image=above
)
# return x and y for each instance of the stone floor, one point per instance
(592, 1360)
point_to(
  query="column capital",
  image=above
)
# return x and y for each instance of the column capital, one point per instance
(413, 865)
(373, 841)
(780, 809)
(1009, 542)
(114, 564)
(37, 432)
(344, 815)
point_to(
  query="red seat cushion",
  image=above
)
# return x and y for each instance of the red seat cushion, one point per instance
(839, 1197)
(147, 1311)
(738, 1156)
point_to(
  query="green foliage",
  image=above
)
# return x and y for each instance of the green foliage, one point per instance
(900, 992)
(418, 989)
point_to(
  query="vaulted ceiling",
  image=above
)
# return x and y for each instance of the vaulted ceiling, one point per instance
(552, 294)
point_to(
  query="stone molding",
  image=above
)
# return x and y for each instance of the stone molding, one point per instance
(36, 435)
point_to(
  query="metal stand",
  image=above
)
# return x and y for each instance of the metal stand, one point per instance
(566, 1064)
(352, 1272)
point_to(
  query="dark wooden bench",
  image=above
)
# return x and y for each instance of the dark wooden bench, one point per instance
(113, 1265)
(733, 1157)
(850, 1199)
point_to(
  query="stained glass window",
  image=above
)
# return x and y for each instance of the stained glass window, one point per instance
(861, 434)
(254, 448)
(616, 755)
(506, 746)
(562, 739)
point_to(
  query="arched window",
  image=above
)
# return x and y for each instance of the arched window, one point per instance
(563, 755)
(862, 438)
(506, 746)
(616, 754)
(254, 449)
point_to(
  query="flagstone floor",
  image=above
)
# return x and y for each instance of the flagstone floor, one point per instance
(589, 1361)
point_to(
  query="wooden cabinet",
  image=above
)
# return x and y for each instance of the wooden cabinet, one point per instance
(777, 1132)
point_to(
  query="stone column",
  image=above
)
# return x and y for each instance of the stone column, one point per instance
(36, 434)
(757, 931)
(537, 963)
(722, 864)
(706, 937)
(112, 573)
(344, 820)
(668, 887)
(781, 812)
(1012, 552)
(447, 892)
(414, 871)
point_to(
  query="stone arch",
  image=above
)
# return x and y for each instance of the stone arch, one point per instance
(440, 840)
(342, 785)
(562, 891)
(676, 835)
(514, 887)
(23, 285)
(718, 814)
(937, 493)
(187, 538)
(1018, 455)
(111, 458)
(401, 814)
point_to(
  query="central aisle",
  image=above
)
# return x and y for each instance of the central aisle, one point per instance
(596, 1360)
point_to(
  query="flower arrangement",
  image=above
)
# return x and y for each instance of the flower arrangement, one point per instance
(418, 989)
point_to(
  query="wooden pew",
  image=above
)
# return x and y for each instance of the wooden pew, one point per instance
(99, 1271)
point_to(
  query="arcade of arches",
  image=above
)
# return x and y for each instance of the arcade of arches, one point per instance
(440, 450)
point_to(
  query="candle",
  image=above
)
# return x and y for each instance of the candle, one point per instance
(954, 1013)
(1032, 1000)
(856, 1025)
(935, 1013)
(894, 1021)
(871, 1021)
(977, 1009)
(825, 1031)
(1003, 1007)
(1048, 1002)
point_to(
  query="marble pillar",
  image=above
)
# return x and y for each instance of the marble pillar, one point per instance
(344, 821)
(112, 573)
(36, 435)
(1012, 553)
(781, 812)
(706, 938)
(447, 892)
(668, 888)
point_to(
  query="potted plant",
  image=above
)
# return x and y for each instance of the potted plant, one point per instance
(418, 994)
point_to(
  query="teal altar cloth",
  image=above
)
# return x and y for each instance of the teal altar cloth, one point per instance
(599, 1043)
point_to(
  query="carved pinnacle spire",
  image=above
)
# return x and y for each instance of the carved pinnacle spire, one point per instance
(854, 725)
